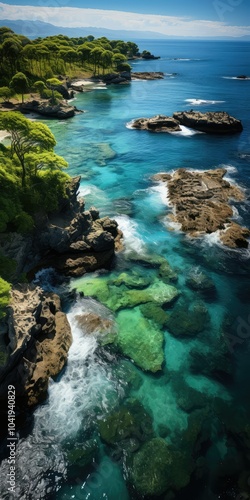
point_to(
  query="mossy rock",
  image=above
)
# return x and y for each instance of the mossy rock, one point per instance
(133, 280)
(166, 273)
(130, 421)
(148, 260)
(188, 398)
(188, 322)
(155, 313)
(157, 468)
(140, 341)
(199, 281)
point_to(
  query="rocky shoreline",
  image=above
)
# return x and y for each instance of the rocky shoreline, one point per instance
(39, 339)
(35, 336)
(218, 122)
(201, 204)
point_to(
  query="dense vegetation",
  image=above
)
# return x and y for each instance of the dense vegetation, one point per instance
(60, 55)
(31, 181)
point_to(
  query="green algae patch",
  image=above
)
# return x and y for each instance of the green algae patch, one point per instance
(157, 468)
(130, 421)
(132, 280)
(154, 313)
(113, 292)
(140, 341)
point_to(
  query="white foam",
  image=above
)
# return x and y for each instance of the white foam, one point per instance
(161, 189)
(130, 234)
(85, 387)
(130, 124)
(198, 102)
(186, 132)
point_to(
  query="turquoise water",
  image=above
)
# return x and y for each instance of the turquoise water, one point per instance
(199, 403)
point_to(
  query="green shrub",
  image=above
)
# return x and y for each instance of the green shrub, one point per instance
(5, 288)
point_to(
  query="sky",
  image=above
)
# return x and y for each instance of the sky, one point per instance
(206, 18)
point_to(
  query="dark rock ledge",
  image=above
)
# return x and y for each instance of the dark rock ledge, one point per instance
(218, 122)
(200, 202)
(72, 240)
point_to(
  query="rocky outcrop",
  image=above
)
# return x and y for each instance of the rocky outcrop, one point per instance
(39, 339)
(114, 78)
(43, 107)
(218, 122)
(72, 240)
(159, 123)
(200, 203)
(147, 75)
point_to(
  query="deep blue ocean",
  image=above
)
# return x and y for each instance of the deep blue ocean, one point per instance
(200, 402)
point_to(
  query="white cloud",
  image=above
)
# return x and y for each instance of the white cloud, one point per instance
(111, 19)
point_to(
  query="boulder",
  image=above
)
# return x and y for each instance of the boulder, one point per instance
(188, 322)
(217, 122)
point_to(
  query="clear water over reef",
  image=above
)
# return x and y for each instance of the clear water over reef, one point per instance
(114, 426)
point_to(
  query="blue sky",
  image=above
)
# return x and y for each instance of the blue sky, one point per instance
(173, 17)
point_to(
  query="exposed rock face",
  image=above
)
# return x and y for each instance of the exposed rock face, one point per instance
(201, 204)
(217, 122)
(72, 240)
(123, 77)
(159, 123)
(60, 110)
(147, 75)
(39, 339)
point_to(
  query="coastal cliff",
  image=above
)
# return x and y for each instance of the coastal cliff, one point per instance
(72, 240)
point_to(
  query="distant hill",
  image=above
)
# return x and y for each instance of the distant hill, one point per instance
(35, 29)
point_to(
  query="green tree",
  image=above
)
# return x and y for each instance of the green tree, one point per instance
(19, 84)
(32, 144)
(6, 93)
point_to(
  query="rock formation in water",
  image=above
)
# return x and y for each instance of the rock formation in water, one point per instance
(72, 240)
(200, 203)
(159, 123)
(147, 75)
(39, 337)
(217, 122)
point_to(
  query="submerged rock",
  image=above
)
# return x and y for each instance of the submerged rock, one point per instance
(197, 280)
(140, 341)
(155, 313)
(201, 204)
(129, 421)
(184, 321)
(132, 280)
(157, 468)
